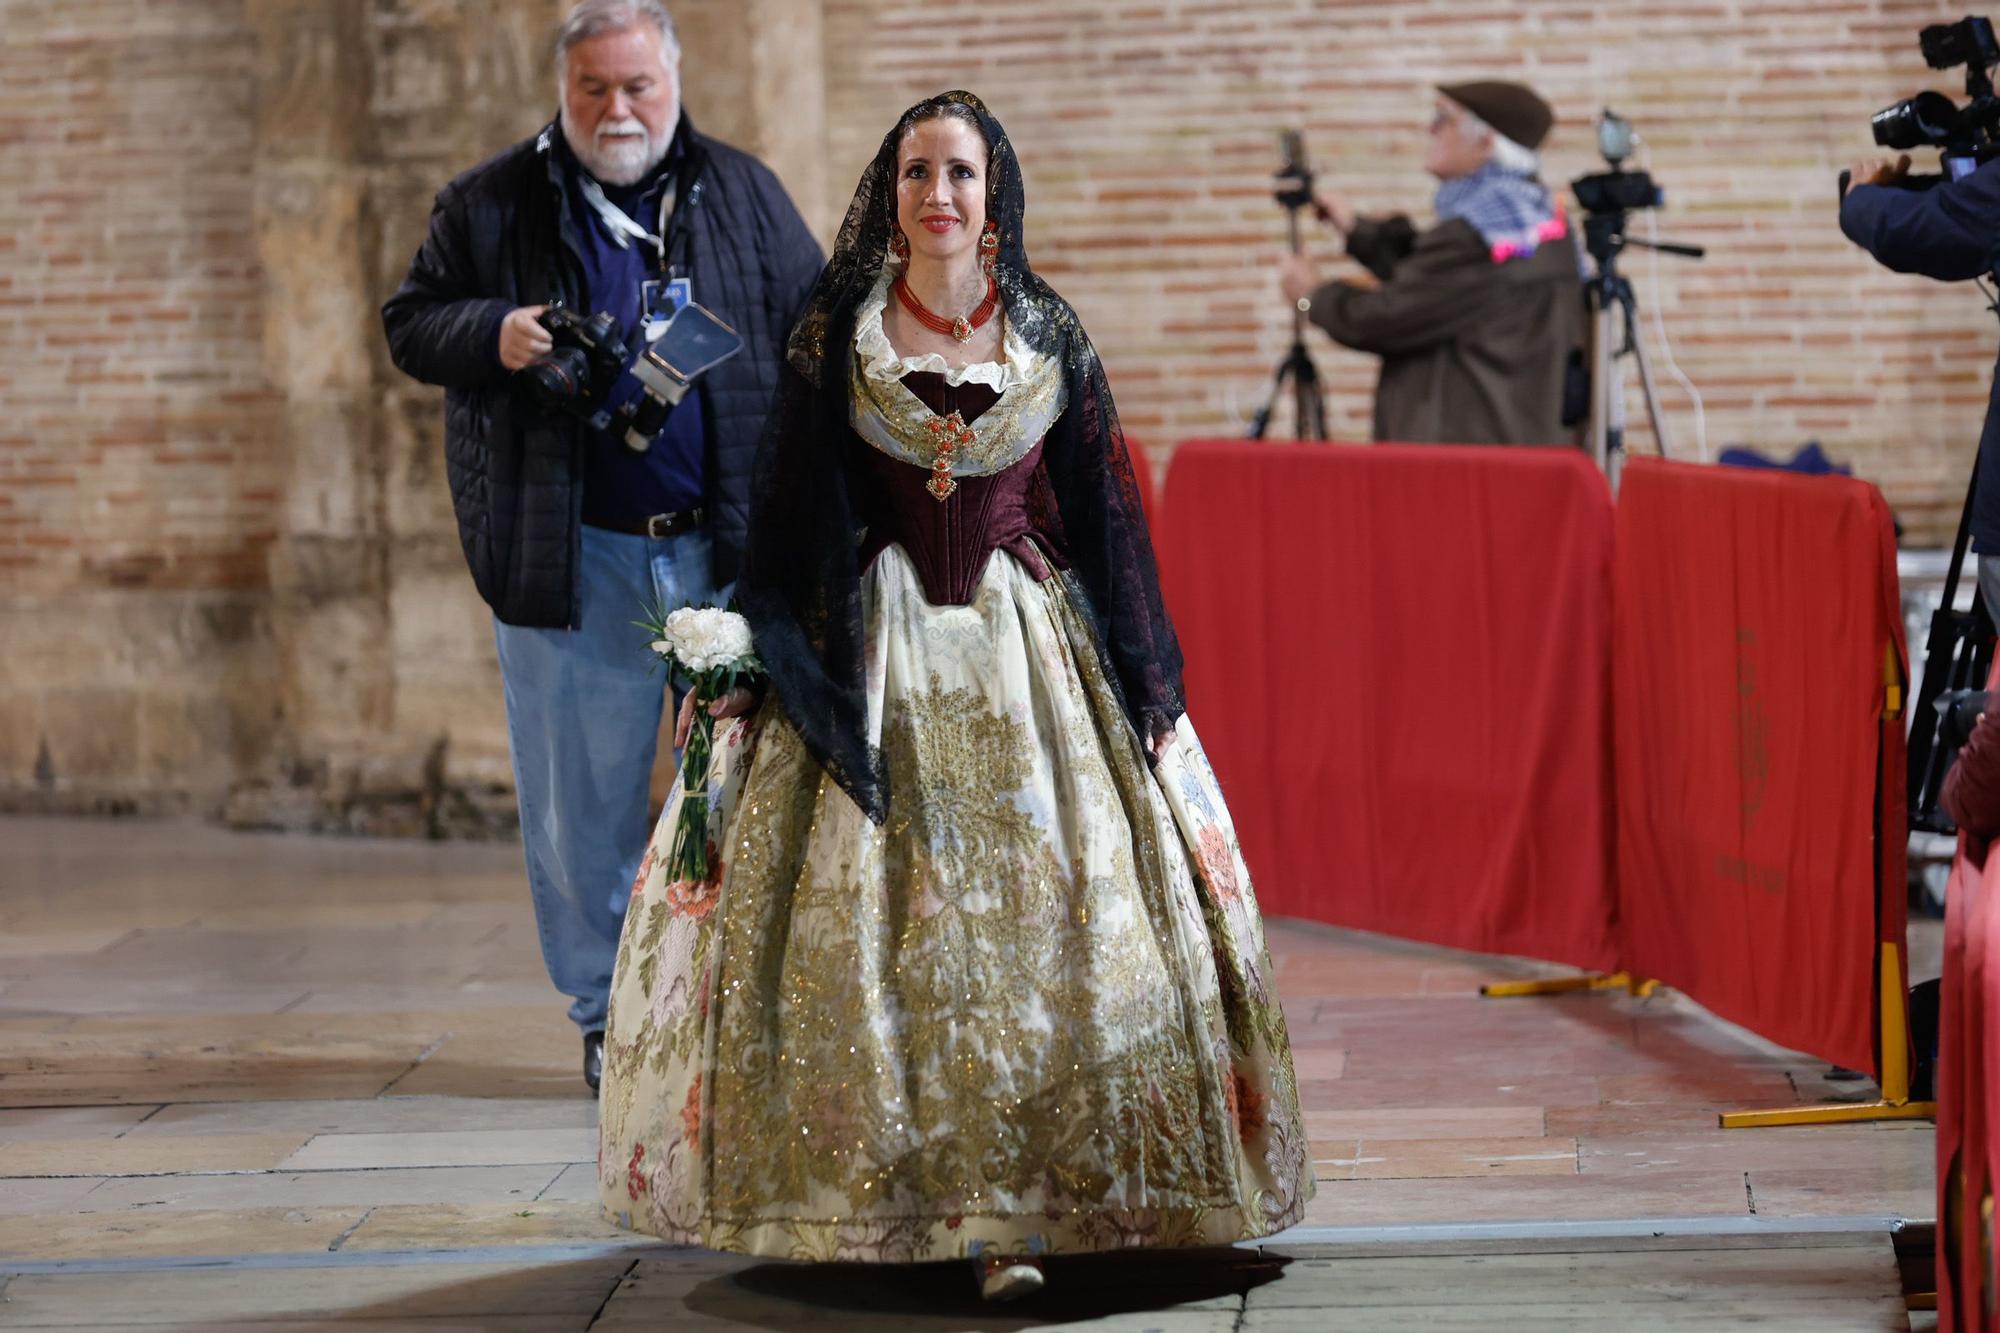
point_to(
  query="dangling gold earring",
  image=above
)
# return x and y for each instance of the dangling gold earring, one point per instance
(989, 248)
(899, 245)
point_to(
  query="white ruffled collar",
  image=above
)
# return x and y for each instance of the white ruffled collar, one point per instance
(880, 362)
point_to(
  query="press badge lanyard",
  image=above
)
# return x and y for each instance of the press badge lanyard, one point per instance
(659, 298)
(623, 229)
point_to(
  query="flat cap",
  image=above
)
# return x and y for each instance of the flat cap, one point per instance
(1514, 109)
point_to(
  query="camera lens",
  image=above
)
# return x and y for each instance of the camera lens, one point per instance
(1927, 118)
(560, 378)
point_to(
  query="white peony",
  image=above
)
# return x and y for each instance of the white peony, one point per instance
(705, 638)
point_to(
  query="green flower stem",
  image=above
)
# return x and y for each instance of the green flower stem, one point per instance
(689, 855)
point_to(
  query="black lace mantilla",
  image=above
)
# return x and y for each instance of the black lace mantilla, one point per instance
(801, 583)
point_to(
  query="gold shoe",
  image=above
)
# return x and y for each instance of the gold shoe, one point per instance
(1009, 1277)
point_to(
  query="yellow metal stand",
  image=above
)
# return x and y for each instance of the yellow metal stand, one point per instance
(1895, 1043)
(1590, 981)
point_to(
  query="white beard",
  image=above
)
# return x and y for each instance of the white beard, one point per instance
(620, 153)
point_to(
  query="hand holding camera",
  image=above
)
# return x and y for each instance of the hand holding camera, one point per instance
(522, 337)
(586, 369)
(1875, 171)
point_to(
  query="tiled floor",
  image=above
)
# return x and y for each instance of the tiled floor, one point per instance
(334, 1074)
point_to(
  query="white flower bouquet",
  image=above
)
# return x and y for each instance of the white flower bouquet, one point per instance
(713, 648)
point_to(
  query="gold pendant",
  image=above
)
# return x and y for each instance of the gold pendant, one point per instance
(961, 329)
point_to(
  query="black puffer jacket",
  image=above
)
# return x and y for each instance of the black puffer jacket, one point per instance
(502, 236)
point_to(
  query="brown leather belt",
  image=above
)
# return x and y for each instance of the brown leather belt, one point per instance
(656, 525)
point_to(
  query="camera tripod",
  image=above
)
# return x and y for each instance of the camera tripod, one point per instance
(1308, 406)
(1957, 655)
(1614, 312)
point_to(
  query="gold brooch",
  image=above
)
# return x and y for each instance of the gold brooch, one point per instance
(947, 435)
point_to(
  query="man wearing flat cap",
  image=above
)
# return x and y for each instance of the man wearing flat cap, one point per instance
(1480, 320)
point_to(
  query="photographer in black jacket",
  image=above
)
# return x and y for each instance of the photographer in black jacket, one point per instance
(618, 206)
(1950, 232)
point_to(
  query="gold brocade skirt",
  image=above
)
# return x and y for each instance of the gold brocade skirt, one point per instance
(1032, 1011)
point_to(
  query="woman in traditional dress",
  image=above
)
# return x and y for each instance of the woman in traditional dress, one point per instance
(977, 971)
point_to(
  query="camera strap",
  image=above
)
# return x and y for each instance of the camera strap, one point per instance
(678, 202)
(622, 228)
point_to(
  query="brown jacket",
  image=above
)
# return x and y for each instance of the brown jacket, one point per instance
(1473, 351)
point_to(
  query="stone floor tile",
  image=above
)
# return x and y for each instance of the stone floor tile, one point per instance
(323, 1189)
(1427, 1122)
(22, 1198)
(471, 1147)
(1856, 1190)
(140, 1233)
(1726, 1089)
(352, 1290)
(1597, 1118)
(371, 1115)
(1418, 1159)
(448, 1226)
(1802, 1147)
(576, 1184)
(1744, 1278)
(71, 1122)
(1374, 1203)
(146, 1157)
(53, 949)
(99, 994)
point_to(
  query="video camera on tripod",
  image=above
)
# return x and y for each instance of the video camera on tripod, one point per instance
(1308, 406)
(1608, 199)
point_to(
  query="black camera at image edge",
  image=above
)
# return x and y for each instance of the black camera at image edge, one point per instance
(1931, 119)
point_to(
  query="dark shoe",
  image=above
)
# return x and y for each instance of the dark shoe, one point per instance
(593, 1059)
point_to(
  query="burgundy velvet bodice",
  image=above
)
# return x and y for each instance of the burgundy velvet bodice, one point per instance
(949, 541)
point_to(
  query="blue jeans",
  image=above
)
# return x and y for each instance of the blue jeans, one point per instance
(583, 721)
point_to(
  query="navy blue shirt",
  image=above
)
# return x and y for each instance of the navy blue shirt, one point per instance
(620, 484)
(1950, 232)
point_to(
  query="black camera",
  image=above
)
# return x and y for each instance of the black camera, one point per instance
(1966, 134)
(1296, 190)
(588, 351)
(1616, 190)
(594, 376)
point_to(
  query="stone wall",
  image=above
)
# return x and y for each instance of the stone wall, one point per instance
(390, 696)
(227, 562)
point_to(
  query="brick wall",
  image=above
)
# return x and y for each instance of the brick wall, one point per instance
(138, 475)
(1147, 131)
(130, 357)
